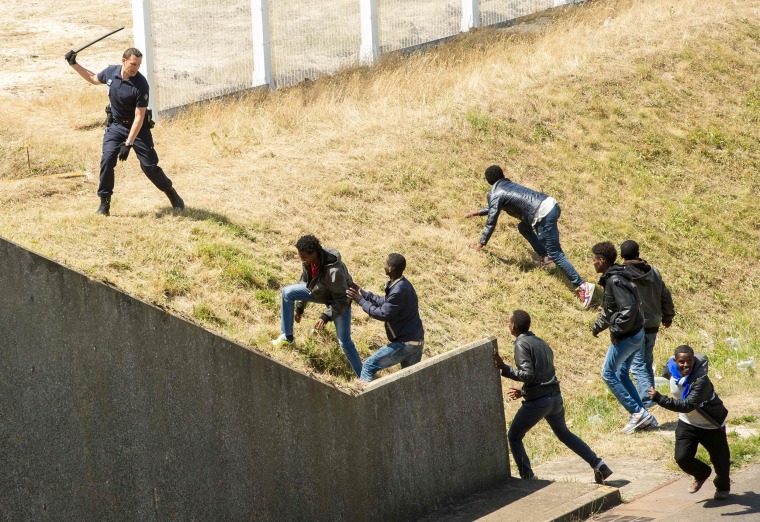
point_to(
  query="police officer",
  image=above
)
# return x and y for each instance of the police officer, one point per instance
(127, 127)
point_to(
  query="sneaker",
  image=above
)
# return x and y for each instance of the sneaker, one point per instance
(696, 485)
(721, 495)
(637, 419)
(601, 473)
(283, 340)
(545, 262)
(585, 292)
(651, 424)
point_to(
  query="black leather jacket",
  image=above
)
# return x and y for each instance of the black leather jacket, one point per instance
(516, 200)
(701, 397)
(621, 307)
(535, 367)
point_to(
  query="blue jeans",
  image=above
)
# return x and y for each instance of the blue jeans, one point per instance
(641, 368)
(551, 408)
(300, 292)
(388, 355)
(615, 371)
(545, 241)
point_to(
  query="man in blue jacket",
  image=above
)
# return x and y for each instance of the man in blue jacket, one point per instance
(538, 215)
(399, 309)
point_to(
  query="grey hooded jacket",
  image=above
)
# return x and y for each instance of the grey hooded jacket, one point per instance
(656, 301)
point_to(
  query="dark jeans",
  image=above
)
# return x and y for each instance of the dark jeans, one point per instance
(115, 135)
(551, 408)
(688, 437)
(545, 240)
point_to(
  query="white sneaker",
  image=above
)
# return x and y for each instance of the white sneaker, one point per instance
(636, 420)
(585, 293)
(282, 340)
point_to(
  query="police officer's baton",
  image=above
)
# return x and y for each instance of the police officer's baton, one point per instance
(96, 41)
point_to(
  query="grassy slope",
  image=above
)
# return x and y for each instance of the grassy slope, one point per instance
(641, 118)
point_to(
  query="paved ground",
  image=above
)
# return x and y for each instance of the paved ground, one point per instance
(671, 502)
(566, 491)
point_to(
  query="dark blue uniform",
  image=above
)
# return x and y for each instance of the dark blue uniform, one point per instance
(125, 96)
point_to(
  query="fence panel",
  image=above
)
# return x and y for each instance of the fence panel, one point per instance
(202, 49)
(310, 39)
(405, 23)
(494, 12)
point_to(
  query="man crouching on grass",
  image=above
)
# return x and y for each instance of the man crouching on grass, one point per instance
(399, 309)
(701, 420)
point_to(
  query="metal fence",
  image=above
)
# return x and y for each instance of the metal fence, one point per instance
(201, 49)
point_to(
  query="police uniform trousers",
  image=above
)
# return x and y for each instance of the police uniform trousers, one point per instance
(116, 134)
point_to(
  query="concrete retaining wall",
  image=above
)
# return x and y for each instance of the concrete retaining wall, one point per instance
(113, 409)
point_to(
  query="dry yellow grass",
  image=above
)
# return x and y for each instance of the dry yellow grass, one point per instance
(640, 117)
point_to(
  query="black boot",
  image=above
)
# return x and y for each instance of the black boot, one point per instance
(105, 206)
(174, 198)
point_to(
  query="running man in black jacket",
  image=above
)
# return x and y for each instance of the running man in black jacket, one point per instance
(621, 313)
(538, 215)
(542, 398)
(701, 420)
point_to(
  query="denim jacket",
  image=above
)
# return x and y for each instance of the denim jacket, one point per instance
(516, 200)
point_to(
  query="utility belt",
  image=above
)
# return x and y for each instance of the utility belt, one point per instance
(111, 120)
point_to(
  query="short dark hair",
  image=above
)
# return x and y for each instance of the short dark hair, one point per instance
(397, 261)
(129, 53)
(629, 250)
(494, 174)
(521, 320)
(308, 243)
(684, 348)
(606, 250)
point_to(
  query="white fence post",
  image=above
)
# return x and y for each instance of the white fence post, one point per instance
(369, 52)
(470, 14)
(262, 47)
(143, 29)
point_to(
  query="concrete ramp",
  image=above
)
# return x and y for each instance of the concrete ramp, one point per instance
(111, 408)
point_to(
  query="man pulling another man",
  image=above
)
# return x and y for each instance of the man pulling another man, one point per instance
(399, 309)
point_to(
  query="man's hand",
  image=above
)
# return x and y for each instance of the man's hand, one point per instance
(319, 324)
(667, 324)
(470, 214)
(297, 317)
(354, 292)
(498, 360)
(476, 246)
(594, 332)
(124, 151)
(651, 392)
(614, 341)
(71, 57)
(514, 393)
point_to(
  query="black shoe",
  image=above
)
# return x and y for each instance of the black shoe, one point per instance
(105, 206)
(174, 198)
(602, 473)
